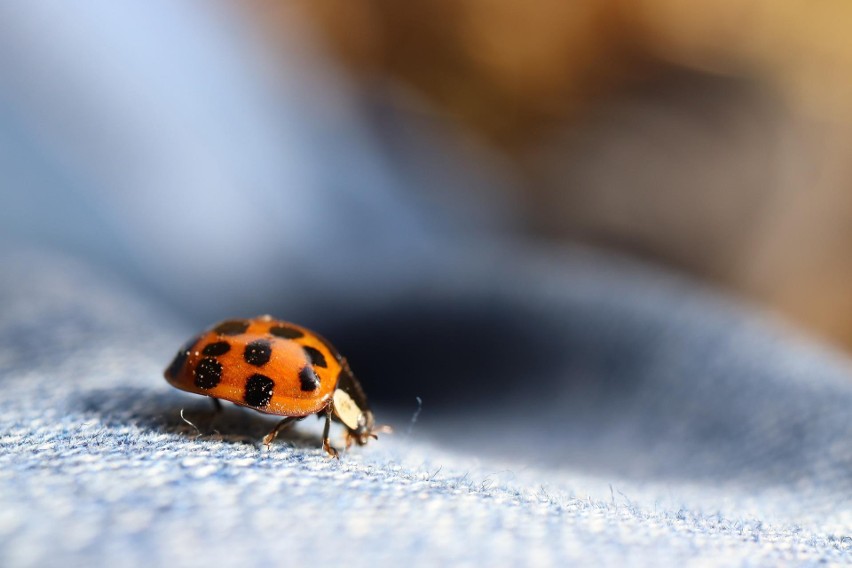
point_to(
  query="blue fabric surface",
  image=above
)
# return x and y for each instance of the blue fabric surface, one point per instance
(676, 429)
(159, 172)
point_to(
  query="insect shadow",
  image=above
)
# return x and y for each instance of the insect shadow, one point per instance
(171, 413)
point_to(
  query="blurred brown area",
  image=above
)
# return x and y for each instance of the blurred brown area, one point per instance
(712, 136)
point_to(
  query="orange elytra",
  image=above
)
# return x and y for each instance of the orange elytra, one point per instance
(275, 367)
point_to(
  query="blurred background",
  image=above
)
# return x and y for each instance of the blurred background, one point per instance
(322, 160)
(710, 136)
(589, 258)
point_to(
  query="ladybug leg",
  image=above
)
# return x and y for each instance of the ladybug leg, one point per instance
(278, 427)
(217, 410)
(382, 429)
(326, 444)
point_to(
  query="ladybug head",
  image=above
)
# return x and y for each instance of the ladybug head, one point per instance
(357, 419)
(364, 431)
(351, 408)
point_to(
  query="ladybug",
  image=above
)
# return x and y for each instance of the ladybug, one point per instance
(277, 368)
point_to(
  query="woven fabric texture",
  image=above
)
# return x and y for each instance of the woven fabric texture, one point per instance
(674, 428)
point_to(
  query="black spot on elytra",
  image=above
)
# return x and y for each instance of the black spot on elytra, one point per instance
(232, 327)
(216, 349)
(177, 363)
(316, 357)
(208, 373)
(285, 332)
(258, 352)
(258, 390)
(308, 379)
